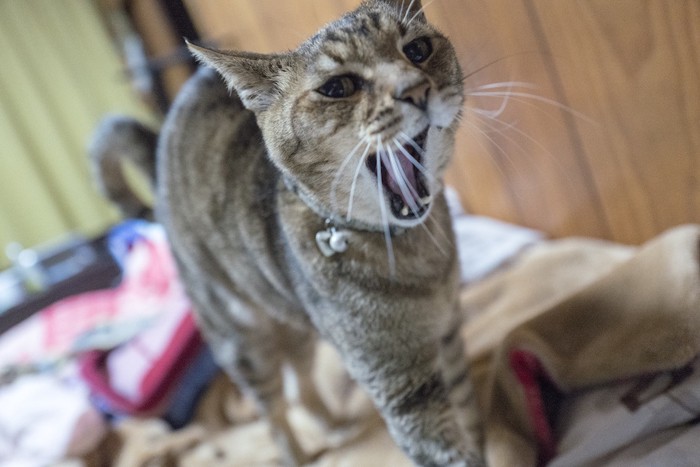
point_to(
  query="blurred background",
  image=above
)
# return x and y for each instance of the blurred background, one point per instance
(582, 117)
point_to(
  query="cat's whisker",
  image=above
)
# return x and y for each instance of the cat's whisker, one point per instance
(528, 103)
(495, 144)
(527, 95)
(421, 10)
(504, 103)
(490, 113)
(504, 84)
(341, 169)
(441, 231)
(360, 163)
(408, 10)
(412, 159)
(509, 126)
(407, 190)
(410, 141)
(435, 240)
(499, 111)
(385, 217)
(401, 12)
(432, 236)
(403, 182)
(473, 72)
(492, 128)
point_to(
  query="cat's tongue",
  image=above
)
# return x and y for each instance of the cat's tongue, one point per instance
(400, 173)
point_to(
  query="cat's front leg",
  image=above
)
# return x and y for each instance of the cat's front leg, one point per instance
(426, 401)
(460, 389)
(431, 419)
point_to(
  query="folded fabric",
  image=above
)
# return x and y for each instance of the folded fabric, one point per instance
(573, 316)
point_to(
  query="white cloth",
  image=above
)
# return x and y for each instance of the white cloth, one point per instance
(485, 244)
(43, 419)
(644, 422)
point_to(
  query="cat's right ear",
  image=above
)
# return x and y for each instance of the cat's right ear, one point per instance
(254, 77)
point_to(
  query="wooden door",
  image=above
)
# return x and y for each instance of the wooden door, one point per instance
(598, 133)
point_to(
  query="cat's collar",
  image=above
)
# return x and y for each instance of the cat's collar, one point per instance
(335, 238)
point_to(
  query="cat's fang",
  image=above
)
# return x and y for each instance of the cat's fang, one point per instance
(426, 200)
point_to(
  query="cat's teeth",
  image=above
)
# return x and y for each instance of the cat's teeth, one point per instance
(404, 210)
(426, 200)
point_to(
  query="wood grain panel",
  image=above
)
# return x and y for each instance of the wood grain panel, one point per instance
(638, 75)
(603, 141)
(523, 165)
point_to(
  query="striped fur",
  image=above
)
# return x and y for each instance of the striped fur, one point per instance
(247, 178)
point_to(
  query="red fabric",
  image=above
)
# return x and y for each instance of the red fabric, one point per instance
(529, 372)
(158, 383)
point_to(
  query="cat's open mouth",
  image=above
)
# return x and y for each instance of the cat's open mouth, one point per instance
(401, 176)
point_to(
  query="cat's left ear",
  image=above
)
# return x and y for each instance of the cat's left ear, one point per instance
(254, 77)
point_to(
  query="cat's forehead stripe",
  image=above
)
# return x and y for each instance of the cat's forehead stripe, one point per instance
(376, 19)
(331, 36)
(341, 40)
(354, 25)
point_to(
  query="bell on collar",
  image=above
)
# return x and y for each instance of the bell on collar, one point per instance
(332, 241)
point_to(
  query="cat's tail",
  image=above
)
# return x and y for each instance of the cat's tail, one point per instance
(116, 142)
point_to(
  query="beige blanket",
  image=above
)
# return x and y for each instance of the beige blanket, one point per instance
(590, 314)
(573, 315)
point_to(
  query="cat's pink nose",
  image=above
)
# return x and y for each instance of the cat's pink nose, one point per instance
(417, 95)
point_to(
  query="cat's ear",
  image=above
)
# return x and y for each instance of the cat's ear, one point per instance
(254, 77)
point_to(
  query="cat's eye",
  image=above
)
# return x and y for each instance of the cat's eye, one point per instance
(339, 87)
(418, 50)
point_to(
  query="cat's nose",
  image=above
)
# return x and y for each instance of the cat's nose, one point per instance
(416, 95)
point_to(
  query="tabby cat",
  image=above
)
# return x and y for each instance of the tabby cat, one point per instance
(302, 195)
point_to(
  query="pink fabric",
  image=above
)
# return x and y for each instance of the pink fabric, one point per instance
(149, 287)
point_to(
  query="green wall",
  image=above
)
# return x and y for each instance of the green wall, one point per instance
(59, 74)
